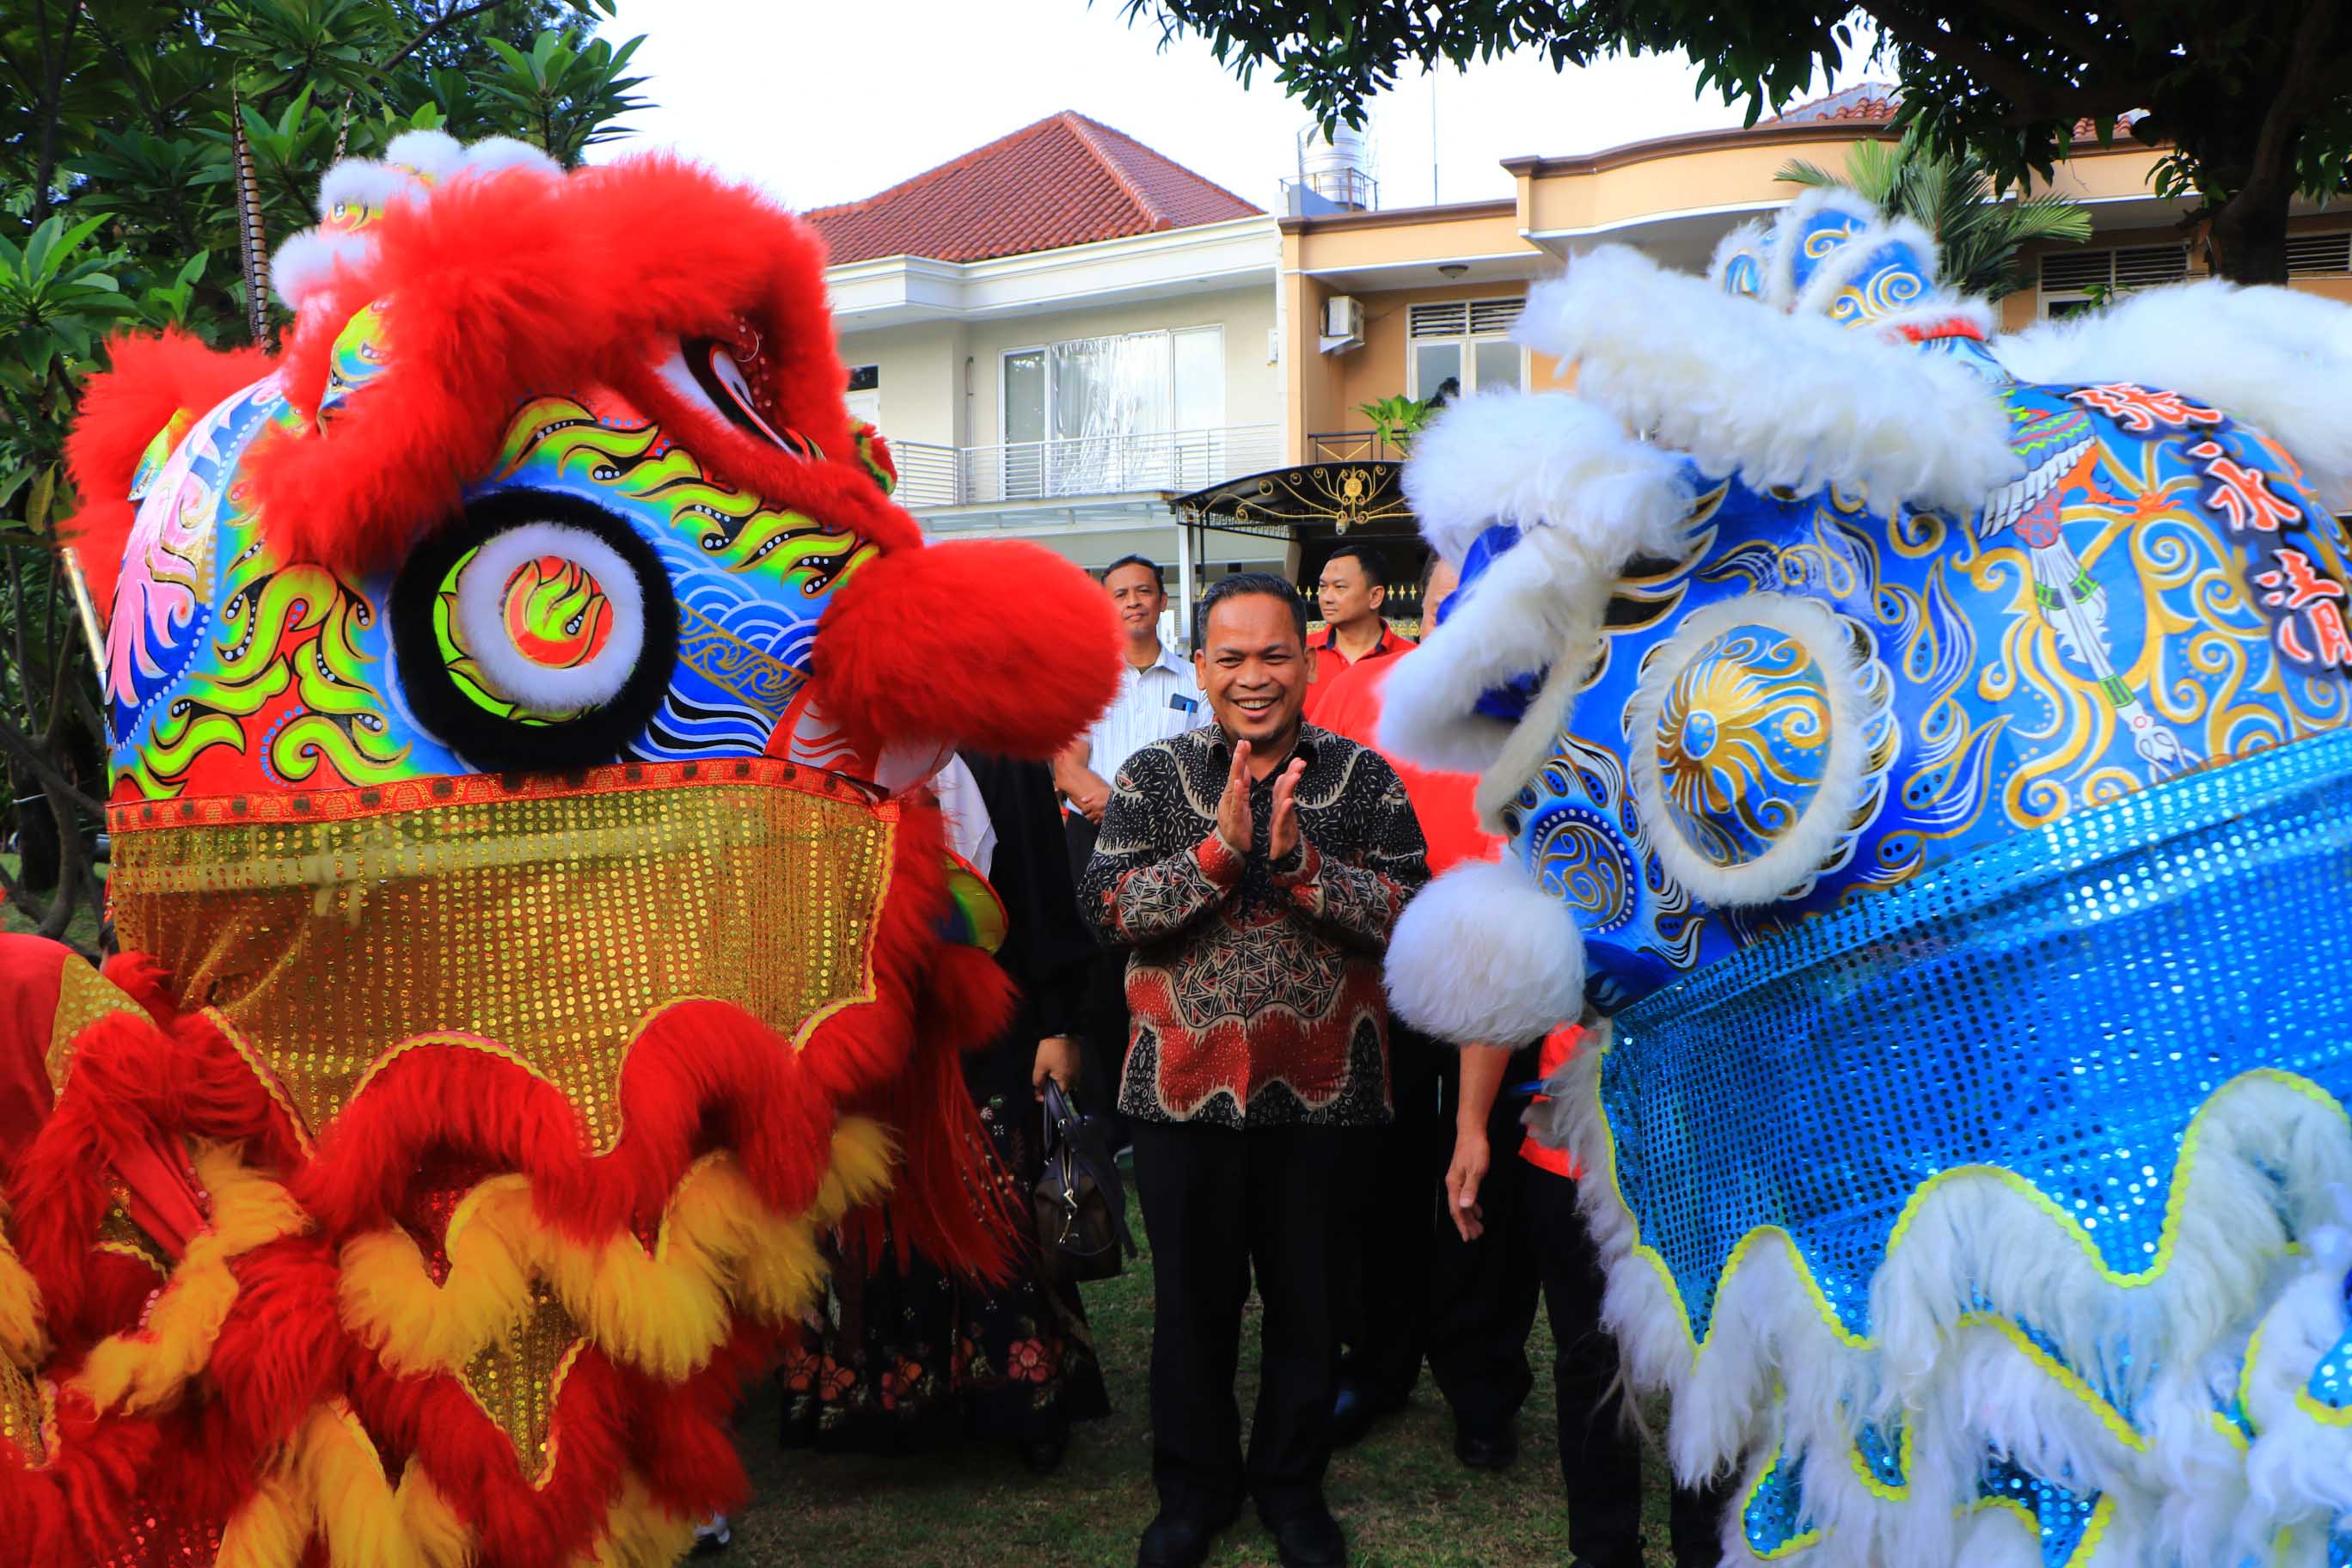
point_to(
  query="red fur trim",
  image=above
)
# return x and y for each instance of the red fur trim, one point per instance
(431, 1421)
(142, 977)
(1001, 645)
(122, 409)
(685, 1446)
(134, 1089)
(75, 1509)
(506, 284)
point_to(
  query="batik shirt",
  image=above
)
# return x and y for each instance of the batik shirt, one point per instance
(1254, 985)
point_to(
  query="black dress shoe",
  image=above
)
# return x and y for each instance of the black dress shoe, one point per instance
(1179, 1540)
(1497, 1448)
(1309, 1539)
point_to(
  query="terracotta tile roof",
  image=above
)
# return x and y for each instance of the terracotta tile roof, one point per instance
(1876, 101)
(1866, 100)
(1066, 180)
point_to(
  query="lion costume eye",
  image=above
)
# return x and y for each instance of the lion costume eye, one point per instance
(538, 631)
(706, 373)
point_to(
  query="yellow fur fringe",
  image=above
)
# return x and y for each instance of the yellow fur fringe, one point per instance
(720, 1251)
(329, 1482)
(639, 1533)
(149, 1366)
(22, 1341)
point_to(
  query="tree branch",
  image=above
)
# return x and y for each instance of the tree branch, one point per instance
(18, 745)
(2030, 96)
(2096, 53)
(53, 83)
(2270, 174)
(434, 28)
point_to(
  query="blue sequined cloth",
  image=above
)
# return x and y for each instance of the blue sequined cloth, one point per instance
(2058, 1006)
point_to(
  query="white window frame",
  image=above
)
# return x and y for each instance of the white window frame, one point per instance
(1004, 404)
(1003, 407)
(1465, 339)
(2049, 303)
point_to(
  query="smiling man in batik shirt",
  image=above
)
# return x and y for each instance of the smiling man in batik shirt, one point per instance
(1255, 868)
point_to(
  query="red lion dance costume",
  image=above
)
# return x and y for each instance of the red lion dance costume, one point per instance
(534, 929)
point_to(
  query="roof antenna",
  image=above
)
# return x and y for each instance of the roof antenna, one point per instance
(1432, 137)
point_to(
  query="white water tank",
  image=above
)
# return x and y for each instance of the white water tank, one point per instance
(1335, 168)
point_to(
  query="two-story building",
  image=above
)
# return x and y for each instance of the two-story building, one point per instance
(1409, 300)
(1070, 338)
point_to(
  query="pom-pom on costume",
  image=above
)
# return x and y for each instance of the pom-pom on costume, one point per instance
(533, 930)
(1932, 757)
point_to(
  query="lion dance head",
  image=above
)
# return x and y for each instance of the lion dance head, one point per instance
(534, 928)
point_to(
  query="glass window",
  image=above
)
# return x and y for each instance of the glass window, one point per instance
(1200, 378)
(1497, 363)
(1025, 396)
(1435, 364)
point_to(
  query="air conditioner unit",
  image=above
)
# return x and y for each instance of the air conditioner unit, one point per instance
(1343, 324)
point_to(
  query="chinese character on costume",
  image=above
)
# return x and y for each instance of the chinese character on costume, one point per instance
(534, 928)
(1925, 758)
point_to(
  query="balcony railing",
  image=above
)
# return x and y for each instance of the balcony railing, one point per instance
(1352, 447)
(1180, 460)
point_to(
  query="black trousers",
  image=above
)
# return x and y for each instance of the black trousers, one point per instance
(1217, 1205)
(1397, 1212)
(1600, 1456)
(1485, 1291)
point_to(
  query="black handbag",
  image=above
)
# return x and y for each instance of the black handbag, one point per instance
(1081, 1204)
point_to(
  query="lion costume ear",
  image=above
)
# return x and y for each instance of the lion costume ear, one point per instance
(150, 383)
(358, 191)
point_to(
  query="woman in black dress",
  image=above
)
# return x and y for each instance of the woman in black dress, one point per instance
(902, 1356)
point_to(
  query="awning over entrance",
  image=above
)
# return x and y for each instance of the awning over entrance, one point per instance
(1311, 502)
(1304, 512)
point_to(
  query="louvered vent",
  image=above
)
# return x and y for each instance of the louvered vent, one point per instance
(2319, 254)
(1439, 318)
(2077, 271)
(1461, 317)
(1494, 315)
(2147, 266)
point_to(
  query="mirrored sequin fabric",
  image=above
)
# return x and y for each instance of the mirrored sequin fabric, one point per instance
(23, 1412)
(518, 1378)
(83, 998)
(2058, 1007)
(2065, 1519)
(547, 922)
(2331, 1381)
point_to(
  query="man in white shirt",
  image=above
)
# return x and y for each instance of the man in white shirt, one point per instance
(1158, 698)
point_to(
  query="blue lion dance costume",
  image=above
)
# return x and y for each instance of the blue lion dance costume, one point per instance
(1927, 762)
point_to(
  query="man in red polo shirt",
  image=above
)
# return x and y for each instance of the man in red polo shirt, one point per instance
(1354, 585)
(1398, 1319)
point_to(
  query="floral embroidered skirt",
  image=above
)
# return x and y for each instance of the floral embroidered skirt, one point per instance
(902, 1356)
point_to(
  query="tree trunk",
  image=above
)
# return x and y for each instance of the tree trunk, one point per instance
(2248, 239)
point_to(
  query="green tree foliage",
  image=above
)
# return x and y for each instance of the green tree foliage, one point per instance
(118, 208)
(1982, 239)
(2250, 99)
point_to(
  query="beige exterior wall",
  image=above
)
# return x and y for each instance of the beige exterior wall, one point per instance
(1671, 193)
(1253, 383)
(941, 382)
(922, 379)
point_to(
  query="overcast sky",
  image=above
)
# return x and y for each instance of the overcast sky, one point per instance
(824, 101)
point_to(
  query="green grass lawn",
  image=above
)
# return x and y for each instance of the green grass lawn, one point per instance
(1401, 1494)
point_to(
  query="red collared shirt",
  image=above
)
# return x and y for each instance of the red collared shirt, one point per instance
(1444, 802)
(1330, 664)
